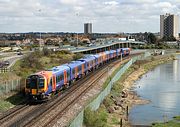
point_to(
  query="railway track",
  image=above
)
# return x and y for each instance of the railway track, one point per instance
(53, 113)
(59, 104)
(17, 114)
(47, 113)
(11, 113)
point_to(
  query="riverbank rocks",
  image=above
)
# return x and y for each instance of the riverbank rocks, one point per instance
(118, 103)
(110, 109)
(124, 94)
(116, 108)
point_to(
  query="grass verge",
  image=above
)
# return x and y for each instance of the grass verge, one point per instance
(172, 123)
(9, 102)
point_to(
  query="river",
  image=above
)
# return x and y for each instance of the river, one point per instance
(162, 87)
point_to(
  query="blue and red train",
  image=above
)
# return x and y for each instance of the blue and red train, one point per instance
(43, 84)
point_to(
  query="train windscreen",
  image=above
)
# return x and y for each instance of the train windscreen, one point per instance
(35, 82)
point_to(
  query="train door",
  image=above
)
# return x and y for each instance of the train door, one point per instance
(65, 77)
(82, 68)
(124, 52)
(54, 83)
(76, 72)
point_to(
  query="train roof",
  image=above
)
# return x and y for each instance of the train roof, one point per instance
(74, 63)
(112, 51)
(95, 55)
(125, 49)
(59, 68)
(87, 58)
(107, 52)
(42, 73)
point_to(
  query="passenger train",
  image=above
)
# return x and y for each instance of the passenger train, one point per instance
(43, 84)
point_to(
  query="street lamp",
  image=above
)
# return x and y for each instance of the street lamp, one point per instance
(77, 39)
(40, 42)
(77, 14)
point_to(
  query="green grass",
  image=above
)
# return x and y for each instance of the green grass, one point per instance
(10, 102)
(95, 118)
(7, 76)
(38, 61)
(172, 123)
(5, 105)
(112, 75)
(115, 121)
(176, 118)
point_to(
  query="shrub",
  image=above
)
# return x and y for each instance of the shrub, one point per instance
(77, 56)
(95, 118)
(46, 52)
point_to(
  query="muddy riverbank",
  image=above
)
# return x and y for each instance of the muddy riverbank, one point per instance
(129, 98)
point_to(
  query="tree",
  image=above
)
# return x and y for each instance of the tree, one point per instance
(152, 38)
(169, 38)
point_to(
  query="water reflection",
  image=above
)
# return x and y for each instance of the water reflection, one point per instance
(162, 87)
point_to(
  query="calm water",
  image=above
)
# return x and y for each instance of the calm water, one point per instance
(162, 87)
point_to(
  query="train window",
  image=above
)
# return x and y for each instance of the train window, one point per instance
(88, 64)
(57, 78)
(41, 83)
(61, 77)
(33, 82)
(51, 82)
(28, 80)
(68, 74)
(73, 71)
(79, 68)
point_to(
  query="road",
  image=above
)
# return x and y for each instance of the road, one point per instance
(12, 57)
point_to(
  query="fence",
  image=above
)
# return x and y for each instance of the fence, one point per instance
(94, 105)
(8, 86)
(4, 70)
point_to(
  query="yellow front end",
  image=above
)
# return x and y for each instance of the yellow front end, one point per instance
(34, 91)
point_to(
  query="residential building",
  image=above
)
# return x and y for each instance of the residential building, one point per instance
(88, 28)
(169, 25)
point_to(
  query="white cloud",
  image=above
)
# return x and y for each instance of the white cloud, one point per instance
(111, 3)
(69, 15)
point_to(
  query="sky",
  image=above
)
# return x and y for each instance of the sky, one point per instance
(107, 16)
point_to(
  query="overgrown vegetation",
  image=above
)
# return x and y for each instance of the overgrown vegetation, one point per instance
(95, 118)
(6, 76)
(158, 45)
(7, 103)
(112, 75)
(46, 59)
(32, 63)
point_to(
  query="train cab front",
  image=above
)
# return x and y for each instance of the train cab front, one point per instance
(35, 87)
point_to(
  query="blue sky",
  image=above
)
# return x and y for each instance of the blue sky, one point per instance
(69, 15)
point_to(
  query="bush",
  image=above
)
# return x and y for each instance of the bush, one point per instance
(108, 102)
(95, 118)
(46, 52)
(32, 61)
(77, 56)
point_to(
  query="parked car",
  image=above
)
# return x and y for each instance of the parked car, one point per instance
(1, 65)
(6, 63)
(19, 53)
